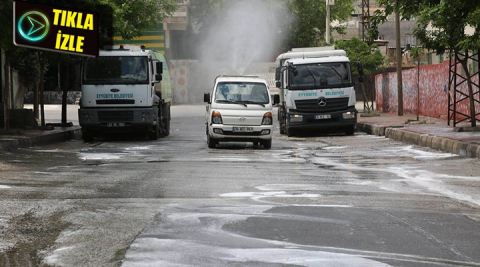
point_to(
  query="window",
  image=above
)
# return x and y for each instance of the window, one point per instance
(410, 39)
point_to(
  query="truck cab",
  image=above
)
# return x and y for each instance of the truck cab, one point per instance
(239, 109)
(316, 91)
(121, 92)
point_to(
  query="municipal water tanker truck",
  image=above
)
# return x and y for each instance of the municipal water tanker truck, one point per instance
(123, 91)
(316, 89)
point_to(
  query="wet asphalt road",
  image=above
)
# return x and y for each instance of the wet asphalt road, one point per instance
(311, 200)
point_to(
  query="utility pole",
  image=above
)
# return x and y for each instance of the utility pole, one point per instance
(399, 61)
(327, 31)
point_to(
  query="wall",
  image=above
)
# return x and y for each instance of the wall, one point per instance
(433, 91)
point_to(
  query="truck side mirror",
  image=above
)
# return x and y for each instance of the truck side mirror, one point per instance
(158, 77)
(276, 99)
(159, 66)
(277, 84)
(277, 74)
(206, 98)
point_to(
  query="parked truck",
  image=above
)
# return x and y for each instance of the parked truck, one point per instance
(125, 89)
(316, 89)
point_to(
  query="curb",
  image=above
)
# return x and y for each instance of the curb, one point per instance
(426, 140)
(48, 137)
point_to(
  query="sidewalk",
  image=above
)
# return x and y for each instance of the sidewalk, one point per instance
(20, 138)
(433, 133)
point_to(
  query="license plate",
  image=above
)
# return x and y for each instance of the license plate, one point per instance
(242, 129)
(115, 124)
(323, 117)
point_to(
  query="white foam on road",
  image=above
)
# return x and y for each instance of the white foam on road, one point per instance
(99, 156)
(429, 181)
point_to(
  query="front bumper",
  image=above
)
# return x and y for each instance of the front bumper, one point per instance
(226, 133)
(337, 119)
(117, 118)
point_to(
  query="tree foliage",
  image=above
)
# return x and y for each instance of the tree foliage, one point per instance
(309, 24)
(370, 56)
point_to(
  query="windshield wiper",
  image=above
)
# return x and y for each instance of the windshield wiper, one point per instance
(314, 80)
(341, 78)
(252, 102)
(232, 102)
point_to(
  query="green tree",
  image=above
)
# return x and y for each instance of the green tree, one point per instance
(372, 60)
(309, 24)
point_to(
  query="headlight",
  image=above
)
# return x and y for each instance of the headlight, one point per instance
(349, 115)
(296, 118)
(216, 117)
(267, 118)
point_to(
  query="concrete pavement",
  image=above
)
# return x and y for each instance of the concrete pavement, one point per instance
(432, 132)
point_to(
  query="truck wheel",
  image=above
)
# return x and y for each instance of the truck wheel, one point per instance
(267, 144)
(282, 128)
(166, 120)
(212, 143)
(153, 135)
(289, 131)
(87, 136)
(350, 130)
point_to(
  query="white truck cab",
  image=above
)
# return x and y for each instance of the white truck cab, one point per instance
(316, 89)
(239, 109)
(123, 90)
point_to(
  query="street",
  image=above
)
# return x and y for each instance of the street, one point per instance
(310, 200)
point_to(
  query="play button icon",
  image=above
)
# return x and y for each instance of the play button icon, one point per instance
(33, 26)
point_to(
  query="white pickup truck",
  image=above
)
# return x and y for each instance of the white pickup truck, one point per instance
(239, 108)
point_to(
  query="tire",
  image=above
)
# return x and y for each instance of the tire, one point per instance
(153, 135)
(288, 130)
(282, 128)
(282, 122)
(350, 130)
(212, 143)
(87, 136)
(166, 119)
(267, 144)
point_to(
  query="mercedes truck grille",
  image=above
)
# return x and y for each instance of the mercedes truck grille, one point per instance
(326, 105)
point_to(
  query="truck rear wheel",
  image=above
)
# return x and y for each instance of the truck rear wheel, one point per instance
(166, 119)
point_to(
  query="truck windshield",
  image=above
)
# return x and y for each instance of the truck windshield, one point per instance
(310, 76)
(242, 93)
(116, 70)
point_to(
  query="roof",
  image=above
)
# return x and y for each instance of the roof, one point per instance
(239, 78)
(124, 52)
(299, 61)
(311, 54)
